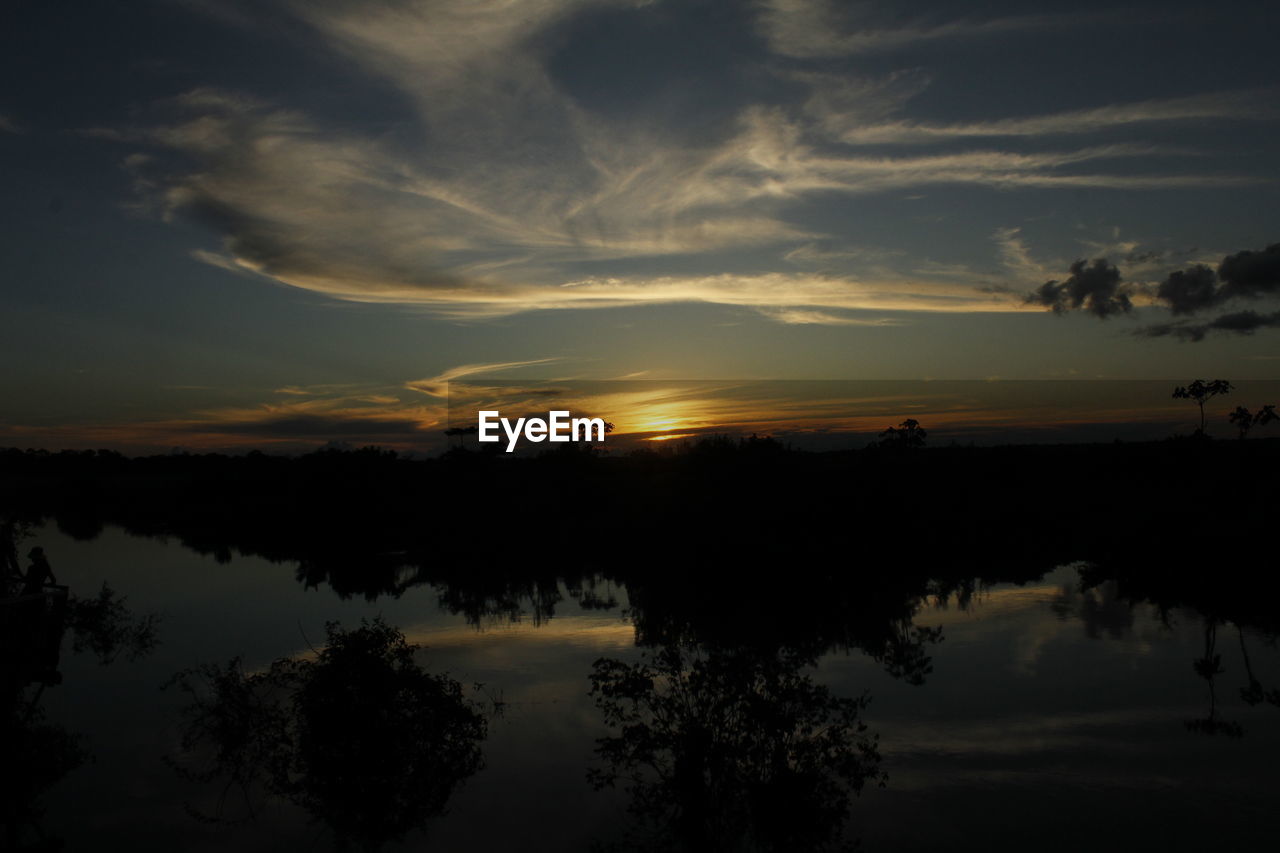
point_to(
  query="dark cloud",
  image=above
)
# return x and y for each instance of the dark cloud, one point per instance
(1244, 275)
(1248, 275)
(1190, 290)
(1241, 323)
(1094, 287)
(1251, 274)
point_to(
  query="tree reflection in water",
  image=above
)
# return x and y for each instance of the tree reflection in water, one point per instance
(361, 737)
(731, 749)
(105, 626)
(38, 753)
(1209, 667)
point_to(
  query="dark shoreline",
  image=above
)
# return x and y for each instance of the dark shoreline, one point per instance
(1161, 519)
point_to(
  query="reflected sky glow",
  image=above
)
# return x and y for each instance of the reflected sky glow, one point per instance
(1041, 696)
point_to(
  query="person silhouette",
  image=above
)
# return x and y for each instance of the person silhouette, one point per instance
(39, 573)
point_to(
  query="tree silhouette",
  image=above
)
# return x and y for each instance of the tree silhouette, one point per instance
(907, 436)
(460, 433)
(360, 737)
(1245, 420)
(1202, 392)
(609, 427)
(731, 749)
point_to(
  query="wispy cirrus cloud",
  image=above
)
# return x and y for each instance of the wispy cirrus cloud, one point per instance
(360, 415)
(438, 385)
(810, 317)
(808, 29)
(503, 193)
(1250, 105)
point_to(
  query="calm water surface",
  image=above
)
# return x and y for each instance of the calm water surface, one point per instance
(1049, 716)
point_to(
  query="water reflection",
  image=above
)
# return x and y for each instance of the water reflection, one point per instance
(359, 736)
(1107, 594)
(1209, 666)
(105, 626)
(849, 613)
(1101, 608)
(1255, 693)
(37, 753)
(710, 712)
(36, 614)
(355, 571)
(730, 750)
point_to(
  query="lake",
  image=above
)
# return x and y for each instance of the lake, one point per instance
(984, 715)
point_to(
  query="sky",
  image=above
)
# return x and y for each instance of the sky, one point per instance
(281, 223)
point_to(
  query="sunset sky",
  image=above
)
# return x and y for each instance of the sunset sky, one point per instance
(276, 223)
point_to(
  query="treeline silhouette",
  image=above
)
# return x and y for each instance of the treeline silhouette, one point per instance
(372, 523)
